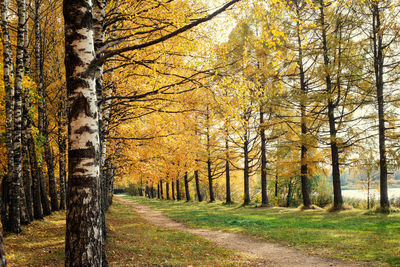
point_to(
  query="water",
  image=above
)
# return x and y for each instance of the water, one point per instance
(374, 193)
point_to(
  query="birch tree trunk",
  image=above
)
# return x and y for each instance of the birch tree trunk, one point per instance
(15, 208)
(7, 72)
(3, 262)
(83, 245)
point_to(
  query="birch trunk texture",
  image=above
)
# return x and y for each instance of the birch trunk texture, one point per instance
(7, 72)
(83, 245)
(15, 205)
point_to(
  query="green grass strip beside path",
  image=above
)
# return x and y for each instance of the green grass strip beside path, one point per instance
(354, 235)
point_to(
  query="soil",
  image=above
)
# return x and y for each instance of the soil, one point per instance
(270, 253)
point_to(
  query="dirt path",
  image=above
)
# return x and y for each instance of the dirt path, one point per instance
(273, 254)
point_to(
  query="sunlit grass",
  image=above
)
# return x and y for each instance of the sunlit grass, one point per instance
(354, 235)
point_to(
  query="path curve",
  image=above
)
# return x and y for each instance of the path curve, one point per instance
(272, 253)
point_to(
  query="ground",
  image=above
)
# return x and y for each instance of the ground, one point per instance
(132, 241)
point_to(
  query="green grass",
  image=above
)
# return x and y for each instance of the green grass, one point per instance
(132, 241)
(353, 235)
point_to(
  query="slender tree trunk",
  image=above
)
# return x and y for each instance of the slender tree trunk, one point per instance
(246, 196)
(3, 261)
(227, 169)
(62, 148)
(158, 191)
(337, 192)
(167, 190)
(304, 132)
(35, 172)
(41, 109)
(187, 193)
(209, 172)
(264, 196)
(173, 190)
(27, 178)
(83, 245)
(50, 173)
(290, 193)
(276, 185)
(15, 216)
(178, 191)
(4, 202)
(9, 90)
(43, 195)
(379, 81)
(196, 178)
(161, 190)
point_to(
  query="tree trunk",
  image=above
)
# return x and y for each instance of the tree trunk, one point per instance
(290, 193)
(227, 169)
(187, 193)
(304, 132)
(246, 196)
(62, 148)
(158, 191)
(3, 261)
(379, 81)
(27, 179)
(264, 196)
(276, 185)
(196, 178)
(161, 190)
(9, 106)
(167, 190)
(43, 195)
(14, 215)
(4, 203)
(210, 181)
(36, 194)
(337, 192)
(178, 192)
(83, 245)
(50, 172)
(173, 190)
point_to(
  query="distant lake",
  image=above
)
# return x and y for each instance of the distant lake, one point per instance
(374, 193)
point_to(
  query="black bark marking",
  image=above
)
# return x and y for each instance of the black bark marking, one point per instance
(80, 105)
(83, 129)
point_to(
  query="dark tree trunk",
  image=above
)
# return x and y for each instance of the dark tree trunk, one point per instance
(290, 193)
(210, 181)
(196, 178)
(161, 190)
(304, 132)
(178, 192)
(62, 148)
(337, 192)
(158, 191)
(276, 185)
(43, 195)
(264, 196)
(227, 170)
(167, 190)
(246, 196)
(35, 171)
(187, 193)
(27, 178)
(3, 261)
(379, 81)
(4, 202)
(83, 245)
(173, 190)
(9, 106)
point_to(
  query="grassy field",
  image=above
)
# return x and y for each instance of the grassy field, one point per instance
(132, 242)
(354, 235)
